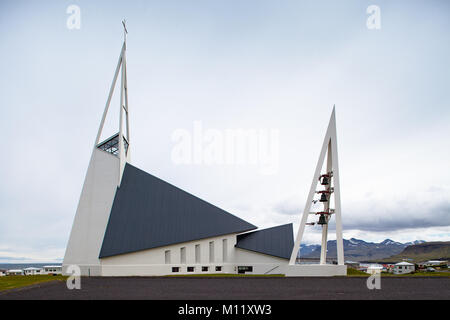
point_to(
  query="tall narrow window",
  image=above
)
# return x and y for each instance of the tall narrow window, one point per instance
(167, 256)
(197, 253)
(183, 255)
(225, 250)
(211, 252)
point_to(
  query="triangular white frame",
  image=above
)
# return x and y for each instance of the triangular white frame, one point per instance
(121, 66)
(329, 147)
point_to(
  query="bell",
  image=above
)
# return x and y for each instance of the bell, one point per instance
(323, 198)
(324, 181)
(322, 220)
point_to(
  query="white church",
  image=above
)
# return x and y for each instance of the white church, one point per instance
(131, 223)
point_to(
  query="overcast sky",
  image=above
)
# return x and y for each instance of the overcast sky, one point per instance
(264, 65)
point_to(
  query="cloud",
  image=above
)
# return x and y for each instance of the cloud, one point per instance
(427, 209)
(390, 145)
(396, 218)
(288, 207)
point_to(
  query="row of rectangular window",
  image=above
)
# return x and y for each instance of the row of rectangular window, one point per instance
(192, 269)
(197, 253)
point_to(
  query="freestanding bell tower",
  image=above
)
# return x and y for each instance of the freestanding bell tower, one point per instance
(325, 190)
(102, 179)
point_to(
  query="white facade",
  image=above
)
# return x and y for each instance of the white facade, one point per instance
(194, 257)
(52, 270)
(403, 267)
(92, 213)
(33, 271)
(15, 272)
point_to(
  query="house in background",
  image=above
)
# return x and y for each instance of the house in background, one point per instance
(15, 272)
(2, 272)
(53, 270)
(438, 264)
(31, 271)
(403, 267)
(374, 269)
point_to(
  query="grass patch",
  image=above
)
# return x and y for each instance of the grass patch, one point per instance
(418, 274)
(357, 273)
(11, 282)
(223, 275)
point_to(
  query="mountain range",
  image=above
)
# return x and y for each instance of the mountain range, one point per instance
(358, 250)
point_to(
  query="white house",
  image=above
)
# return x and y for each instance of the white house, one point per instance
(2, 272)
(403, 267)
(433, 263)
(33, 271)
(15, 272)
(52, 270)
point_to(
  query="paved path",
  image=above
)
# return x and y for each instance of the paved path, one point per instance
(239, 288)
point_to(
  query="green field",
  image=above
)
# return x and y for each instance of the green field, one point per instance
(356, 273)
(11, 282)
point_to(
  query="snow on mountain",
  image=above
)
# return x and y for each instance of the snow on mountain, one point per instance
(357, 249)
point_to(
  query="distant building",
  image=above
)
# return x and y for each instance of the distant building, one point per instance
(374, 268)
(2, 272)
(52, 270)
(15, 272)
(403, 267)
(31, 271)
(388, 267)
(436, 263)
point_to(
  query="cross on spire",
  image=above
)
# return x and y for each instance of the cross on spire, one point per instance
(125, 31)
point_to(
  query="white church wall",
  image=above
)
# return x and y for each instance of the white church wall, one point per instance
(152, 262)
(92, 214)
(260, 263)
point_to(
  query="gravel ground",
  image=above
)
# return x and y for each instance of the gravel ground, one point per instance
(157, 288)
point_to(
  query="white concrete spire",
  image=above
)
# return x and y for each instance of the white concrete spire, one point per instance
(103, 176)
(123, 137)
(332, 192)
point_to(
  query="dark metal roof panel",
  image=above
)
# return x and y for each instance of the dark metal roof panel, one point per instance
(148, 212)
(276, 241)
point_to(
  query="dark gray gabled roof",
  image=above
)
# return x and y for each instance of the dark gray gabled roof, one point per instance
(148, 212)
(276, 241)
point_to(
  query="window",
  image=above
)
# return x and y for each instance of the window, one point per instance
(197, 253)
(190, 269)
(167, 256)
(219, 268)
(111, 145)
(205, 269)
(183, 255)
(175, 269)
(211, 252)
(224, 250)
